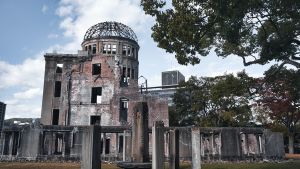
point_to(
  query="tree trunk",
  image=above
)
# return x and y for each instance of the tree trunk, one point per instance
(291, 143)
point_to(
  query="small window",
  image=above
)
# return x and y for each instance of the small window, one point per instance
(107, 146)
(121, 139)
(94, 49)
(128, 51)
(114, 49)
(86, 48)
(133, 52)
(108, 49)
(124, 50)
(96, 69)
(96, 95)
(55, 116)
(90, 47)
(95, 120)
(132, 73)
(123, 110)
(105, 49)
(57, 89)
(128, 72)
(59, 68)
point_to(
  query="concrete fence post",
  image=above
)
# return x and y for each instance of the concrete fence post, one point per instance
(91, 146)
(126, 145)
(158, 145)
(196, 153)
(174, 149)
(140, 136)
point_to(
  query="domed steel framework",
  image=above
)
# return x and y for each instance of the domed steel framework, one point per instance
(110, 29)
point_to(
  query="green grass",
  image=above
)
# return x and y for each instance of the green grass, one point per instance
(282, 165)
(27, 165)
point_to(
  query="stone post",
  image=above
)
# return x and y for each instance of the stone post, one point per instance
(103, 144)
(90, 158)
(196, 153)
(126, 145)
(158, 145)
(140, 136)
(174, 149)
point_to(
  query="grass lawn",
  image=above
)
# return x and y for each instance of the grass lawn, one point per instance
(27, 165)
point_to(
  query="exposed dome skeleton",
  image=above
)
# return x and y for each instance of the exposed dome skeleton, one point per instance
(105, 30)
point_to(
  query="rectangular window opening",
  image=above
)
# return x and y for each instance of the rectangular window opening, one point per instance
(114, 49)
(59, 68)
(124, 50)
(107, 146)
(96, 95)
(94, 49)
(96, 69)
(58, 144)
(104, 49)
(121, 144)
(57, 89)
(108, 49)
(128, 51)
(132, 73)
(133, 52)
(95, 120)
(128, 72)
(55, 116)
(123, 110)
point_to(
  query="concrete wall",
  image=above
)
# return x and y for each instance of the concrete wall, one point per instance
(65, 143)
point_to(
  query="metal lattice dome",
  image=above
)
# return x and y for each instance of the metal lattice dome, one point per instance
(105, 30)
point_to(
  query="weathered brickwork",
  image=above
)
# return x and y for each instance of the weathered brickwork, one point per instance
(107, 65)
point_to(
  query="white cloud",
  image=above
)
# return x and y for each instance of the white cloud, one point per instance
(28, 74)
(29, 94)
(64, 10)
(52, 36)
(44, 9)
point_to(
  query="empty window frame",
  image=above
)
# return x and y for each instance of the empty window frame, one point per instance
(55, 116)
(133, 52)
(95, 120)
(58, 144)
(109, 49)
(59, 68)
(104, 49)
(96, 95)
(94, 49)
(113, 49)
(96, 69)
(123, 110)
(57, 89)
(121, 141)
(107, 146)
(126, 50)
(128, 72)
(132, 73)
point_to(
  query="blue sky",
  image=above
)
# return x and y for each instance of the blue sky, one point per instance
(31, 28)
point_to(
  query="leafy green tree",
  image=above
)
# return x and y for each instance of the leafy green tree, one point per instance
(258, 31)
(218, 101)
(280, 98)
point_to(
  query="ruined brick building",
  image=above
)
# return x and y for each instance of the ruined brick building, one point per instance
(99, 85)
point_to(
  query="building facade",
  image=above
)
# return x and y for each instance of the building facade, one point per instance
(99, 84)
